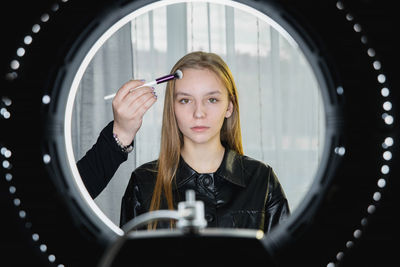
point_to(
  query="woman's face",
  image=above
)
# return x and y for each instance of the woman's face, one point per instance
(201, 105)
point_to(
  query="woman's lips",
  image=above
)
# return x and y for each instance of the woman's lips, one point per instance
(199, 128)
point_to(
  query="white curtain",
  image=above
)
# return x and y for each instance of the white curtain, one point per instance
(280, 103)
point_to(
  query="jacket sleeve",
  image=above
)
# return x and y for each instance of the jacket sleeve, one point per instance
(100, 163)
(276, 206)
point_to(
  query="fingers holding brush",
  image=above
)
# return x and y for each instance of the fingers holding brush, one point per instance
(127, 88)
(129, 105)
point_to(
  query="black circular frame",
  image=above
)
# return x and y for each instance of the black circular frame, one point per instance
(359, 151)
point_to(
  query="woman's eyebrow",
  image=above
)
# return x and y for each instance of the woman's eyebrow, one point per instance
(187, 94)
(182, 93)
(214, 93)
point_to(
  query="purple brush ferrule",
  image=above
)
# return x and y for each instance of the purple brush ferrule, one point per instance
(165, 78)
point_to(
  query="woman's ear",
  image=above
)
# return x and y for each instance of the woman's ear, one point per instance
(229, 111)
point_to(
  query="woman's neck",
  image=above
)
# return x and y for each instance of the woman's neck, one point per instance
(203, 158)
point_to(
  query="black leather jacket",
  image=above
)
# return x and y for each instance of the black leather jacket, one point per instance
(242, 193)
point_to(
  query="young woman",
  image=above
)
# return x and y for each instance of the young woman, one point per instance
(201, 149)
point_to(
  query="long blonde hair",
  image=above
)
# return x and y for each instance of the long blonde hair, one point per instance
(171, 136)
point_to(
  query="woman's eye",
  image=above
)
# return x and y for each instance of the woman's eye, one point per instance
(184, 101)
(213, 100)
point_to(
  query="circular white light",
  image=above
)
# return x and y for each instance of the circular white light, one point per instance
(20, 52)
(7, 154)
(371, 209)
(28, 40)
(17, 202)
(340, 255)
(22, 214)
(331, 264)
(14, 64)
(6, 101)
(385, 92)
(35, 237)
(36, 28)
(46, 158)
(8, 177)
(364, 39)
(377, 196)
(340, 90)
(364, 221)
(55, 7)
(6, 164)
(340, 150)
(45, 17)
(389, 119)
(339, 5)
(349, 244)
(46, 99)
(381, 78)
(387, 155)
(43, 248)
(389, 141)
(357, 233)
(6, 115)
(349, 17)
(73, 88)
(377, 65)
(385, 169)
(381, 183)
(357, 27)
(12, 189)
(387, 105)
(52, 258)
(371, 52)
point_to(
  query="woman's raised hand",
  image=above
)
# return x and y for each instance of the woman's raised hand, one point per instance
(129, 105)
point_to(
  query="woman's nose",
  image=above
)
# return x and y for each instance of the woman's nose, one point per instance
(199, 111)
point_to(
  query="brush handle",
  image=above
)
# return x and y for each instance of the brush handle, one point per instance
(109, 96)
(146, 84)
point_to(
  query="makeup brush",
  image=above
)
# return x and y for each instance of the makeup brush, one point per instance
(177, 75)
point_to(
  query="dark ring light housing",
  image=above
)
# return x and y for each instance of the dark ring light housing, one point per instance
(63, 224)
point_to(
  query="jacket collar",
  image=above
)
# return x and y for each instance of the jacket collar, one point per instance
(231, 169)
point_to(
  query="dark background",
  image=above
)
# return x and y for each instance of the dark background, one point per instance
(378, 244)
